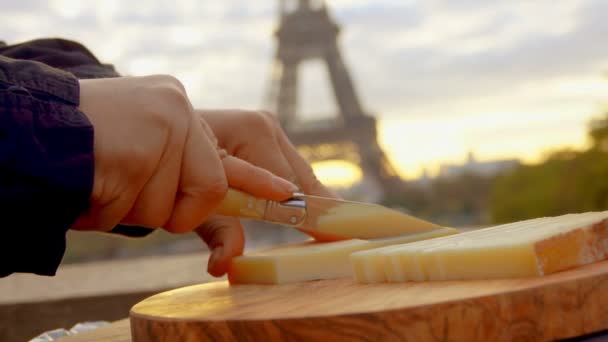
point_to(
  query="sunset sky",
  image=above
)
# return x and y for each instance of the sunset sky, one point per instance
(503, 79)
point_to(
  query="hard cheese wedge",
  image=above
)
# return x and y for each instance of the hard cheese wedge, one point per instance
(528, 248)
(311, 260)
(348, 218)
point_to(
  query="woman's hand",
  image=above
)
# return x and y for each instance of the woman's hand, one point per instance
(257, 138)
(157, 164)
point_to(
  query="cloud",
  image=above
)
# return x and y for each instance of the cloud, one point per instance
(23, 6)
(410, 60)
(511, 51)
(401, 53)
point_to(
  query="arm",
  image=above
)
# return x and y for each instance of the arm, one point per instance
(111, 206)
(155, 163)
(61, 54)
(46, 164)
(72, 57)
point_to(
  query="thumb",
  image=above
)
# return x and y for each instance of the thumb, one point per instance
(225, 239)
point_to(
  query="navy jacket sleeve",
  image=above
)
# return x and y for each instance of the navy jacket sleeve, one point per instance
(46, 151)
(75, 58)
(46, 164)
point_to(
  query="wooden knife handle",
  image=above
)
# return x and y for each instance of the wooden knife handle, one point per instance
(239, 204)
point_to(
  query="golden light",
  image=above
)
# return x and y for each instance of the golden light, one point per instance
(337, 173)
(418, 144)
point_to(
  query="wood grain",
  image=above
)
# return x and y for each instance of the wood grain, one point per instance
(558, 306)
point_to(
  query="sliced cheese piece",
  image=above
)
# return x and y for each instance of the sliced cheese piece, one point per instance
(522, 249)
(346, 218)
(388, 266)
(417, 264)
(311, 260)
(371, 269)
(420, 262)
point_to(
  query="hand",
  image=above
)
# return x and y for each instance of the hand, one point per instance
(157, 163)
(257, 138)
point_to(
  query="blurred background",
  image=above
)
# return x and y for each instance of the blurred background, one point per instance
(466, 113)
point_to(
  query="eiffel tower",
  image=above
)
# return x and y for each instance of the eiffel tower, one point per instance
(306, 31)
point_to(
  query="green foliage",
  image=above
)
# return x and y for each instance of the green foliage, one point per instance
(598, 132)
(566, 182)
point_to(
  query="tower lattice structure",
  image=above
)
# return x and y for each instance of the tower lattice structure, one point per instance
(306, 31)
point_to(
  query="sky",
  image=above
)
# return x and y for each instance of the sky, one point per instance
(508, 79)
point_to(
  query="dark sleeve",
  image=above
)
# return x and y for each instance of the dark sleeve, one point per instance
(46, 164)
(75, 58)
(61, 54)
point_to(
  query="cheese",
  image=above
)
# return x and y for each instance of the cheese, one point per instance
(528, 248)
(311, 260)
(346, 218)
(369, 267)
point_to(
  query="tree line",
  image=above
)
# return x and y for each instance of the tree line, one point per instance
(565, 181)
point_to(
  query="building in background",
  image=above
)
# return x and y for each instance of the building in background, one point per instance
(306, 31)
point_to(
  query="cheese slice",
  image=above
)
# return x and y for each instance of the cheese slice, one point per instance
(311, 260)
(346, 218)
(381, 265)
(528, 248)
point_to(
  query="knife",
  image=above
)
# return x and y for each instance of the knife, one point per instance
(325, 219)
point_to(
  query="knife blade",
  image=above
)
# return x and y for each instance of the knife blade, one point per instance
(326, 219)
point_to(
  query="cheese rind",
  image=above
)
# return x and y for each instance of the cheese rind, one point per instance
(312, 260)
(522, 249)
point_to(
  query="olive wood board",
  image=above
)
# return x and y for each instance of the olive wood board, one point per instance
(562, 305)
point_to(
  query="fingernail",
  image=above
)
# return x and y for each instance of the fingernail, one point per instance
(283, 185)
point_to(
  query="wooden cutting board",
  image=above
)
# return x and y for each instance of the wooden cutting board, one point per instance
(563, 305)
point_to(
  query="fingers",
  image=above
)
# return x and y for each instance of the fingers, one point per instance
(207, 130)
(202, 182)
(156, 201)
(306, 178)
(105, 216)
(268, 147)
(273, 159)
(262, 151)
(225, 238)
(256, 181)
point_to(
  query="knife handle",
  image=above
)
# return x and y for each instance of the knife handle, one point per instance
(291, 212)
(235, 203)
(239, 204)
